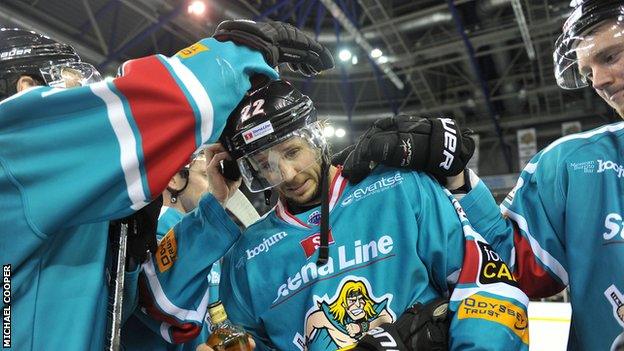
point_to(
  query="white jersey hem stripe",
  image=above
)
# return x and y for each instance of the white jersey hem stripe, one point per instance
(166, 305)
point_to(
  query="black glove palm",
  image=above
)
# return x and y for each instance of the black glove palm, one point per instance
(436, 146)
(279, 43)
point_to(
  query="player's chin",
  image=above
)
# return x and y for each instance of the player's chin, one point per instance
(308, 196)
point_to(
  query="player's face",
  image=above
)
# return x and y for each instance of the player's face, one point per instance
(601, 61)
(300, 168)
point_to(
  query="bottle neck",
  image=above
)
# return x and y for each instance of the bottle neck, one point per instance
(217, 313)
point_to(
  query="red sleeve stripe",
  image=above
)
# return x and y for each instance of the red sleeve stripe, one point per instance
(470, 268)
(180, 332)
(164, 118)
(547, 260)
(534, 280)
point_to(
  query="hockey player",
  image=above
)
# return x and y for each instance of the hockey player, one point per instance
(141, 332)
(562, 224)
(72, 159)
(393, 241)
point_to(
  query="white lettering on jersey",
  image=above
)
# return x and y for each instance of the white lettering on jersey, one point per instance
(265, 245)
(347, 257)
(610, 165)
(613, 224)
(378, 186)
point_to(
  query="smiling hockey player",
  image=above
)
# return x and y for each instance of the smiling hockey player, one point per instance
(334, 265)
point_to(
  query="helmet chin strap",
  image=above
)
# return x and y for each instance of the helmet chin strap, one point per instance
(324, 247)
(175, 193)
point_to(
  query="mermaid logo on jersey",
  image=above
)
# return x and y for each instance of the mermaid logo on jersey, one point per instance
(344, 318)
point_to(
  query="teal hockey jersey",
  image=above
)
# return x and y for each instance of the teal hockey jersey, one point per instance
(72, 159)
(143, 332)
(395, 239)
(562, 224)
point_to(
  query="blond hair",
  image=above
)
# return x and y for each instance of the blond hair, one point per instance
(338, 308)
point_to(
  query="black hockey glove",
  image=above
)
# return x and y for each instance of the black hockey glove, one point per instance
(433, 145)
(279, 43)
(420, 328)
(142, 227)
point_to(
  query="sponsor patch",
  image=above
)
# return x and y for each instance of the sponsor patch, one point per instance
(382, 184)
(611, 167)
(344, 257)
(257, 132)
(167, 252)
(498, 311)
(265, 245)
(311, 243)
(585, 166)
(192, 50)
(314, 218)
(493, 268)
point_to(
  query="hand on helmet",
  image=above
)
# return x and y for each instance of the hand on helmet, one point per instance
(219, 186)
(279, 43)
(433, 145)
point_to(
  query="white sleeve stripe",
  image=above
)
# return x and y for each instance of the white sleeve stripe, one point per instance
(164, 332)
(497, 289)
(585, 135)
(127, 142)
(543, 255)
(166, 305)
(198, 93)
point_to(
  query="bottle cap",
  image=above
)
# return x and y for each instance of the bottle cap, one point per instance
(217, 312)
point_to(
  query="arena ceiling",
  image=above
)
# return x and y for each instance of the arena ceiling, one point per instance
(487, 63)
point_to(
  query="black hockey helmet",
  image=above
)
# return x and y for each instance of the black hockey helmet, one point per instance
(264, 119)
(24, 52)
(586, 16)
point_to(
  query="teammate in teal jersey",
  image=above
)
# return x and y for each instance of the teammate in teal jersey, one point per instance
(183, 194)
(117, 138)
(562, 224)
(391, 242)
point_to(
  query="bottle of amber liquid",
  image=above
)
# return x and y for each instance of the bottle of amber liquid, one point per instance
(225, 336)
